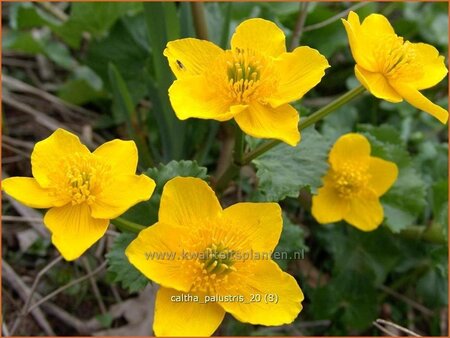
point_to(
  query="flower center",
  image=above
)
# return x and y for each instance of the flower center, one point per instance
(397, 58)
(81, 177)
(351, 179)
(213, 267)
(243, 76)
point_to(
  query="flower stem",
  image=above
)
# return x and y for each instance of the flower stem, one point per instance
(306, 122)
(127, 226)
(198, 15)
(240, 159)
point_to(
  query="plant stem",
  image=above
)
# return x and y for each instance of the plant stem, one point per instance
(127, 226)
(233, 168)
(198, 15)
(238, 145)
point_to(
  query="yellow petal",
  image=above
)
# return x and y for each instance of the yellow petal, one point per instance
(258, 224)
(121, 155)
(263, 121)
(261, 278)
(260, 35)
(188, 201)
(299, 72)
(327, 205)
(27, 191)
(195, 97)
(418, 100)
(376, 24)
(48, 152)
(382, 175)
(359, 47)
(433, 66)
(184, 319)
(73, 229)
(377, 84)
(190, 56)
(365, 213)
(156, 252)
(349, 148)
(120, 194)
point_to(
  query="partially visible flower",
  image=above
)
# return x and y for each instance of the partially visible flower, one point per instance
(253, 82)
(197, 251)
(83, 190)
(353, 185)
(390, 67)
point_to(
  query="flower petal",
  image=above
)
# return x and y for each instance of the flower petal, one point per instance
(121, 155)
(120, 194)
(298, 72)
(327, 205)
(261, 278)
(358, 44)
(418, 100)
(190, 56)
(259, 224)
(382, 175)
(350, 147)
(188, 201)
(156, 252)
(365, 213)
(27, 191)
(263, 121)
(47, 152)
(195, 97)
(260, 35)
(377, 84)
(433, 66)
(184, 319)
(377, 24)
(73, 229)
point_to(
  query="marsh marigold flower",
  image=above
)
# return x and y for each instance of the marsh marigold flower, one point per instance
(353, 185)
(391, 68)
(83, 190)
(253, 82)
(205, 259)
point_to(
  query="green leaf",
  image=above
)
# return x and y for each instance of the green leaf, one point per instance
(292, 243)
(405, 201)
(121, 269)
(163, 173)
(284, 170)
(125, 111)
(84, 87)
(130, 58)
(162, 26)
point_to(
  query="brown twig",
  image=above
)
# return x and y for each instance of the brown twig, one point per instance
(407, 300)
(68, 285)
(398, 327)
(299, 24)
(94, 286)
(14, 280)
(26, 307)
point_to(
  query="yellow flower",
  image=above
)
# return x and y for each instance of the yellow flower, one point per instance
(83, 190)
(353, 185)
(391, 68)
(213, 253)
(253, 82)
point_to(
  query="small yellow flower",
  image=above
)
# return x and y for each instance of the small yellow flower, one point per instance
(353, 185)
(83, 190)
(212, 252)
(253, 82)
(391, 68)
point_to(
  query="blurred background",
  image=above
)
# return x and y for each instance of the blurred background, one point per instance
(97, 69)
